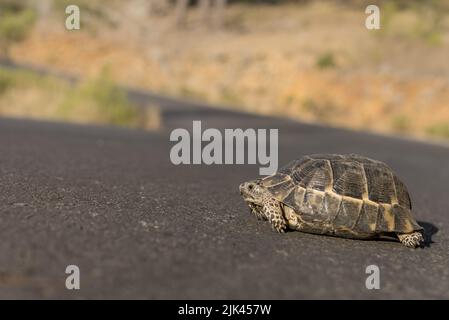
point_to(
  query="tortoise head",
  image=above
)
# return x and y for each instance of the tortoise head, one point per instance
(253, 192)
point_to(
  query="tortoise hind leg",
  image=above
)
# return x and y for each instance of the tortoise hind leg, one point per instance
(411, 240)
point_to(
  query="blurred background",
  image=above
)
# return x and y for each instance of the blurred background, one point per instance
(314, 61)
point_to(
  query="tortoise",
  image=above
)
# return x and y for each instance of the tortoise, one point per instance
(347, 196)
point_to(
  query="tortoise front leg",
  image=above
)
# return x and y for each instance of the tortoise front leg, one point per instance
(256, 211)
(273, 212)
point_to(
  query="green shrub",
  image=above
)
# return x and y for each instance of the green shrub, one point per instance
(6, 82)
(14, 26)
(230, 96)
(401, 124)
(102, 99)
(324, 111)
(326, 60)
(439, 130)
(97, 101)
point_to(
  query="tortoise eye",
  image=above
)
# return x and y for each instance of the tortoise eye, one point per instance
(251, 187)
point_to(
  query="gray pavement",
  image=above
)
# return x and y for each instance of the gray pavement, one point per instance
(110, 201)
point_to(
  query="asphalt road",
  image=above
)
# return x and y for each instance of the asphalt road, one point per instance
(110, 201)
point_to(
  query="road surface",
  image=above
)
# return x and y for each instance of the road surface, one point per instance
(109, 201)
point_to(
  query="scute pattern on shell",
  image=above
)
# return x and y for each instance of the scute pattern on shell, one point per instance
(348, 194)
(349, 175)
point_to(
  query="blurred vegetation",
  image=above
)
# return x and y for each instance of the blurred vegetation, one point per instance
(269, 58)
(16, 20)
(230, 96)
(5, 83)
(353, 3)
(322, 111)
(401, 124)
(21, 80)
(108, 102)
(422, 20)
(326, 60)
(98, 100)
(440, 130)
(88, 5)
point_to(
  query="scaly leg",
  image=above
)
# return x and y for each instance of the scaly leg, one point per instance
(273, 212)
(411, 240)
(256, 211)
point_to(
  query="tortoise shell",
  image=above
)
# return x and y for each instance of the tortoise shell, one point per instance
(346, 195)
